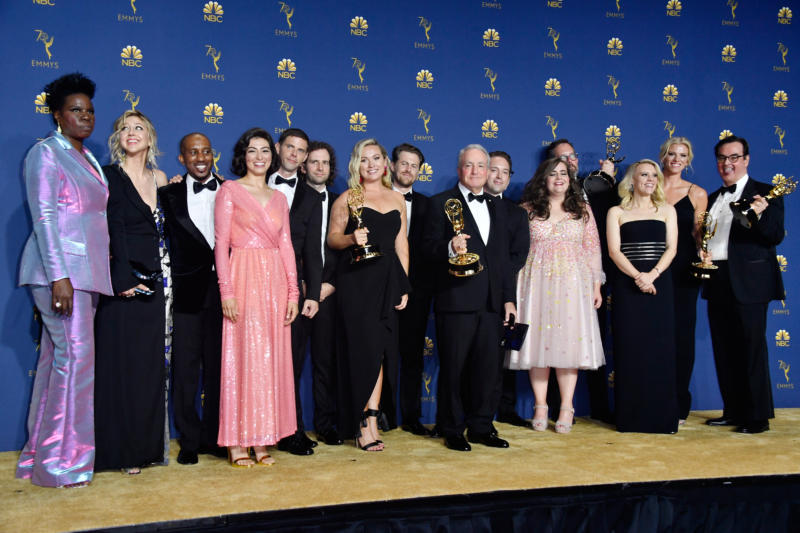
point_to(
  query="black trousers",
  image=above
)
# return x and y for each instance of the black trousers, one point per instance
(685, 322)
(301, 330)
(413, 325)
(323, 357)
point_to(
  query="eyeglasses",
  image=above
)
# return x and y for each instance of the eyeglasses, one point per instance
(732, 158)
(572, 156)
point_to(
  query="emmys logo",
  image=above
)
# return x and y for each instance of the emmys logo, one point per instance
(614, 47)
(672, 42)
(489, 129)
(288, 11)
(424, 79)
(212, 114)
(216, 155)
(553, 124)
(613, 134)
(358, 26)
(40, 103)
(128, 96)
(614, 84)
(669, 127)
(733, 4)
(358, 122)
(618, 14)
(492, 77)
(212, 12)
(674, 8)
(426, 25)
(286, 69)
(725, 133)
(782, 310)
(554, 36)
(215, 56)
(426, 174)
(782, 263)
(670, 93)
(728, 89)
(287, 112)
(729, 54)
(783, 51)
(782, 338)
(784, 15)
(552, 87)
(359, 66)
(491, 38)
(131, 56)
(780, 99)
(783, 365)
(425, 118)
(780, 133)
(123, 17)
(426, 379)
(47, 41)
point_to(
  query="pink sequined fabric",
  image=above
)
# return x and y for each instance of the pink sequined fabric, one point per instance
(554, 296)
(256, 266)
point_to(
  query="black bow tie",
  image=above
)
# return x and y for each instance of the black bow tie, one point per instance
(290, 182)
(409, 196)
(323, 195)
(479, 197)
(731, 189)
(210, 184)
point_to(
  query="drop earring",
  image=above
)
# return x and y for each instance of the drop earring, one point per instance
(58, 128)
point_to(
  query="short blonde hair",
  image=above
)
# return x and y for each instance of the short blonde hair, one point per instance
(625, 189)
(355, 162)
(666, 145)
(117, 153)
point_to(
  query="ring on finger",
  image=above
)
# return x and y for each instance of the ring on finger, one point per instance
(58, 305)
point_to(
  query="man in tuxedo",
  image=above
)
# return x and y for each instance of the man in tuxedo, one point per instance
(519, 244)
(197, 315)
(320, 171)
(406, 162)
(470, 310)
(305, 224)
(738, 292)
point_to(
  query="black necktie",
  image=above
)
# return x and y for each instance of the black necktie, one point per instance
(323, 195)
(290, 182)
(731, 189)
(479, 197)
(210, 184)
(409, 196)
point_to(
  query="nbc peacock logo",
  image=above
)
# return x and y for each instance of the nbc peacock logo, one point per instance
(780, 99)
(674, 8)
(552, 87)
(724, 134)
(358, 26)
(40, 104)
(489, 129)
(784, 15)
(728, 54)
(48, 2)
(131, 56)
(358, 122)
(491, 39)
(212, 113)
(425, 174)
(670, 93)
(782, 338)
(212, 12)
(424, 79)
(613, 133)
(614, 46)
(782, 262)
(286, 69)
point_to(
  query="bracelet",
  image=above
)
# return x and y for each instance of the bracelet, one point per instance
(657, 270)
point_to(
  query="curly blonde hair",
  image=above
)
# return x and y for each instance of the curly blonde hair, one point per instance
(117, 153)
(625, 189)
(666, 145)
(355, 162)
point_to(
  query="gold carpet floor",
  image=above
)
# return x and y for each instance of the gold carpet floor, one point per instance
(409, 467)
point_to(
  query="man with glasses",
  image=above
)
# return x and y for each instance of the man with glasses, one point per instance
(747, 279)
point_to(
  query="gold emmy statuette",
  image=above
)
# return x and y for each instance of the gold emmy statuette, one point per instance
(744, 214)
(355, 202)
(468, 263)
(701, 270)
(598, 181)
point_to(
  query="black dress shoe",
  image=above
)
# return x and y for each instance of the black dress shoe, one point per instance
(186, 457)
(416, 428)
(216, 451)
(759, 426)
(306, 440)
(436, 432)
(493, 430)
(294, 445)
(722, 421)
(487, 439)
(514, 419)
(330, 437)
(457, 443)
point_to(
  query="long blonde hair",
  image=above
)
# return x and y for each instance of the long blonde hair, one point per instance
(355, 162)
(625, 189)
(117, 153)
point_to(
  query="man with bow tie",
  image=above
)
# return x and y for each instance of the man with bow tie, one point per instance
(305, 224)
(747, 279)
(197, 315)
(470, 310)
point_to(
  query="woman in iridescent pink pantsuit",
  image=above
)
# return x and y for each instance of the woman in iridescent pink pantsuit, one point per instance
(65, 263)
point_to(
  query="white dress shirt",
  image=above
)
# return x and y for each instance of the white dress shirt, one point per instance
(722, 216)
(408, 208)
(480, 212)
(324, 223)
(201, 207)
(287, 191)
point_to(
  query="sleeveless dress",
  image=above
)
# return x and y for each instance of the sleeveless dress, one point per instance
(367, 320)
(686, 288)
(554, 295)
(644, 336)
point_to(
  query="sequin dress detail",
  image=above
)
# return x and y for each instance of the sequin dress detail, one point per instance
(256, 265)
(166, 282)
(555, 292)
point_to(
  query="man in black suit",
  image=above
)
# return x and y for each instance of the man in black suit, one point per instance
(406, 162)
(738, 292)
(320, 171)
(519, 244)
(197, 315)
(305, 223)
(469, 310)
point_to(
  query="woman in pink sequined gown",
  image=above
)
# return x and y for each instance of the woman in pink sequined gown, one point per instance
(258, 286)
(558, 289)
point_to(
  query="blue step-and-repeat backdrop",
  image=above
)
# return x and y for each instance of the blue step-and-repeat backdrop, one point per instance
(512, 75)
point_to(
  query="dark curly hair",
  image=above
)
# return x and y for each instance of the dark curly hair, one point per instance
(238, 165)
(58, 90)
(321, 145)
(537, 201)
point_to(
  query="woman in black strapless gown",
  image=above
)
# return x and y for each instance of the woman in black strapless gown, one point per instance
(370, 292)
(689, 201)
(642, 238)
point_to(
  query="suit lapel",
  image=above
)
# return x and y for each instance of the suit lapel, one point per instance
(299, 192)
(133, 196)
(180, 206)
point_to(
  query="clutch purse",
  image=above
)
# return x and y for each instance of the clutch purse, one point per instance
(145, 277)
(513, 335)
